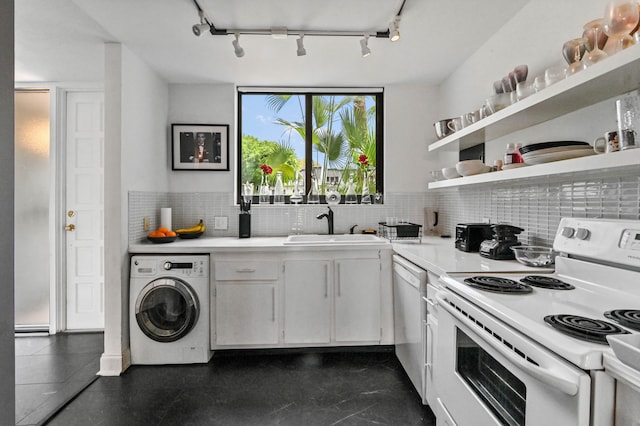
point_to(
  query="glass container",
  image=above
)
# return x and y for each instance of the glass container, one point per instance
(278, 193)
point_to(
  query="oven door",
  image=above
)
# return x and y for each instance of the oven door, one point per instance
(489, 374)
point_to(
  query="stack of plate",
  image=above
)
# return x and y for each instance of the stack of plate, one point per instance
(546, 152)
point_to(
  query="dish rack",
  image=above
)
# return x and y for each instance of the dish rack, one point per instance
(401, 231)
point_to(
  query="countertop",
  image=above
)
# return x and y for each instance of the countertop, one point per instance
(440, 256)
(434, 254)
(230, 244)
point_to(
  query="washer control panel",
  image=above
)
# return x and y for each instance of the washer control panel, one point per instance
(181, 266)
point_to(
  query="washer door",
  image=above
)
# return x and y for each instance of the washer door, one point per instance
(167, 309)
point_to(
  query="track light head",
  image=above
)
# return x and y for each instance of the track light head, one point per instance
(394, 33)
(301, 50)
(236, 47)
(364, 46)
(199, 29)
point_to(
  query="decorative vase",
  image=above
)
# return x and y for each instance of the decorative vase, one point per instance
(278, 192)
(365, 196)
(264, 190)
(350, 196)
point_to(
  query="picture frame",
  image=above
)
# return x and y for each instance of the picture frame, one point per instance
(200, 147)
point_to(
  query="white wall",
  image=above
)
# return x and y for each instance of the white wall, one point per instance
(136, 107)
(409, 112)
(7, 343)
(203, 104)
(534, 37)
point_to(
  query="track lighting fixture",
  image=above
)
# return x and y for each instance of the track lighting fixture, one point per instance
(301, 50)
(364, 46)
(236, 46)
(394, 34)
(202, 27)
(206, 25)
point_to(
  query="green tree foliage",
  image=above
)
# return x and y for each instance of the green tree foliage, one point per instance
(256, 152)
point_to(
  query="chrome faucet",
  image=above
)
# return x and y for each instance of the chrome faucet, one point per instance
(329, 217)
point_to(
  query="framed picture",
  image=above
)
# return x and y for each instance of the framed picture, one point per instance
(200, 146)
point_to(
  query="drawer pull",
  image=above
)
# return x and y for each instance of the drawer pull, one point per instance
(246, 270)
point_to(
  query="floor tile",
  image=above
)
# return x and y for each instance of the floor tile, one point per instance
(256, 388)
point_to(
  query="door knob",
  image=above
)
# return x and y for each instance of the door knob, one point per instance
(71, 227)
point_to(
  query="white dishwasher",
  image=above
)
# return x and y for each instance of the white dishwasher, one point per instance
(409, 286)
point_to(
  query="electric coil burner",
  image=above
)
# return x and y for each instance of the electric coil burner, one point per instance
(588, 329)
(626, 317)
(498, 285)
(548, 283)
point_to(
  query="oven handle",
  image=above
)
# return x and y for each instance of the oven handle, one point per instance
(544, 375)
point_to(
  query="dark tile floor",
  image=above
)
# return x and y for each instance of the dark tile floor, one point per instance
(51, 370)
(350, 387)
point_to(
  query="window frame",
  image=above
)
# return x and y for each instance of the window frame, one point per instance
(309, 93)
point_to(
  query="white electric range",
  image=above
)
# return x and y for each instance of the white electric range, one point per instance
(507, 351)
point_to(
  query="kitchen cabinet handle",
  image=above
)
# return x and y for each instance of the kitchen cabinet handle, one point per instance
(326, 281)
(548, 376)
(273, 304)
(246, 270)
(429, 346)
(339, 292)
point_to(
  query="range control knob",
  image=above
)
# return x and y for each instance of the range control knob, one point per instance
(568, 232)
(167, 266)
(582, 234)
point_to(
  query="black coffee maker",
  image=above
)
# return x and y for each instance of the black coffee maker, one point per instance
(504, 237)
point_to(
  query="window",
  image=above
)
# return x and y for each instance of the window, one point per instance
(326, 138)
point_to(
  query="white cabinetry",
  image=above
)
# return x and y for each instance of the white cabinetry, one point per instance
(245, 303)
(329, 301)
(357, 300)
(307, 301)
(615, 76)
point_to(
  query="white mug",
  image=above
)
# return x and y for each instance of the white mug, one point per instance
(607, 143)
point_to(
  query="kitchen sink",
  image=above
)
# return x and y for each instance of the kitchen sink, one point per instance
(322, 239)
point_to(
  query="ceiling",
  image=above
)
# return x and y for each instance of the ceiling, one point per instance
(62, 40)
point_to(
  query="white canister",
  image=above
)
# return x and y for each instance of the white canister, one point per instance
(165, 217)
(628, 115)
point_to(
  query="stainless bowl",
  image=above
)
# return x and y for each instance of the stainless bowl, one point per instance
(536, 256)
(442, 129)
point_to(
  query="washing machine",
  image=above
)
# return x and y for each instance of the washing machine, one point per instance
(169, 309)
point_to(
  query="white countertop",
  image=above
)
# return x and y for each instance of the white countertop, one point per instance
(213, 244)
(440, 256)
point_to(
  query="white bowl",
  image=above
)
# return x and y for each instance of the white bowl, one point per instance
(450, 173)
(471, 167)
(627, 348)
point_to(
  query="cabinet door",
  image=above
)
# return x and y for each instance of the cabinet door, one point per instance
(307, 302)
(246, 313)
(357, 300)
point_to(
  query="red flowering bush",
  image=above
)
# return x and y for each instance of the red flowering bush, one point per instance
(266, 169)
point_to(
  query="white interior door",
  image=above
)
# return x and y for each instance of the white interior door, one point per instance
(85, 210)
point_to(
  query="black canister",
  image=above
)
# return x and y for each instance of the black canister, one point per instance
(245, 225)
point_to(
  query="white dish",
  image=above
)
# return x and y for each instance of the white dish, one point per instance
(627, 348)
(513, 166)
(450, 173)
(556, 149)
(471, 167)
(556, 156)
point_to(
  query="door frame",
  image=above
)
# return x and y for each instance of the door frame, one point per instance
(57, 201)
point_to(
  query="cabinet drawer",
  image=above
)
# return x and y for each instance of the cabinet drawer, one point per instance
(246, 271)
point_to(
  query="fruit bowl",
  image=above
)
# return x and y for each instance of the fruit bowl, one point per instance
(162, 240)
(190, 235)
(536, 256)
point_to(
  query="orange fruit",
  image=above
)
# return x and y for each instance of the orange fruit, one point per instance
(163, 229)
(156, 234)
(170, 234)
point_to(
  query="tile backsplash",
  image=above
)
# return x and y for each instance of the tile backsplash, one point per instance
(266, 220)
(535, 205)
(538, 205)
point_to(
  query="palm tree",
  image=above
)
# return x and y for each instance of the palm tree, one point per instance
(335, 142)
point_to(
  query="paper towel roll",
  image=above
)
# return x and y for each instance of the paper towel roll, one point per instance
(165, 217)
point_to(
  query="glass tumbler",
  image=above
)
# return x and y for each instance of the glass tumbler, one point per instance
(628, 115)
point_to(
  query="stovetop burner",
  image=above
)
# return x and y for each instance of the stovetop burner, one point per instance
(498, 285)
(625, 317)
(548, 283)
(588, 329)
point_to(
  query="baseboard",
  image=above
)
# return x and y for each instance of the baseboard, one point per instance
(114, 365)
